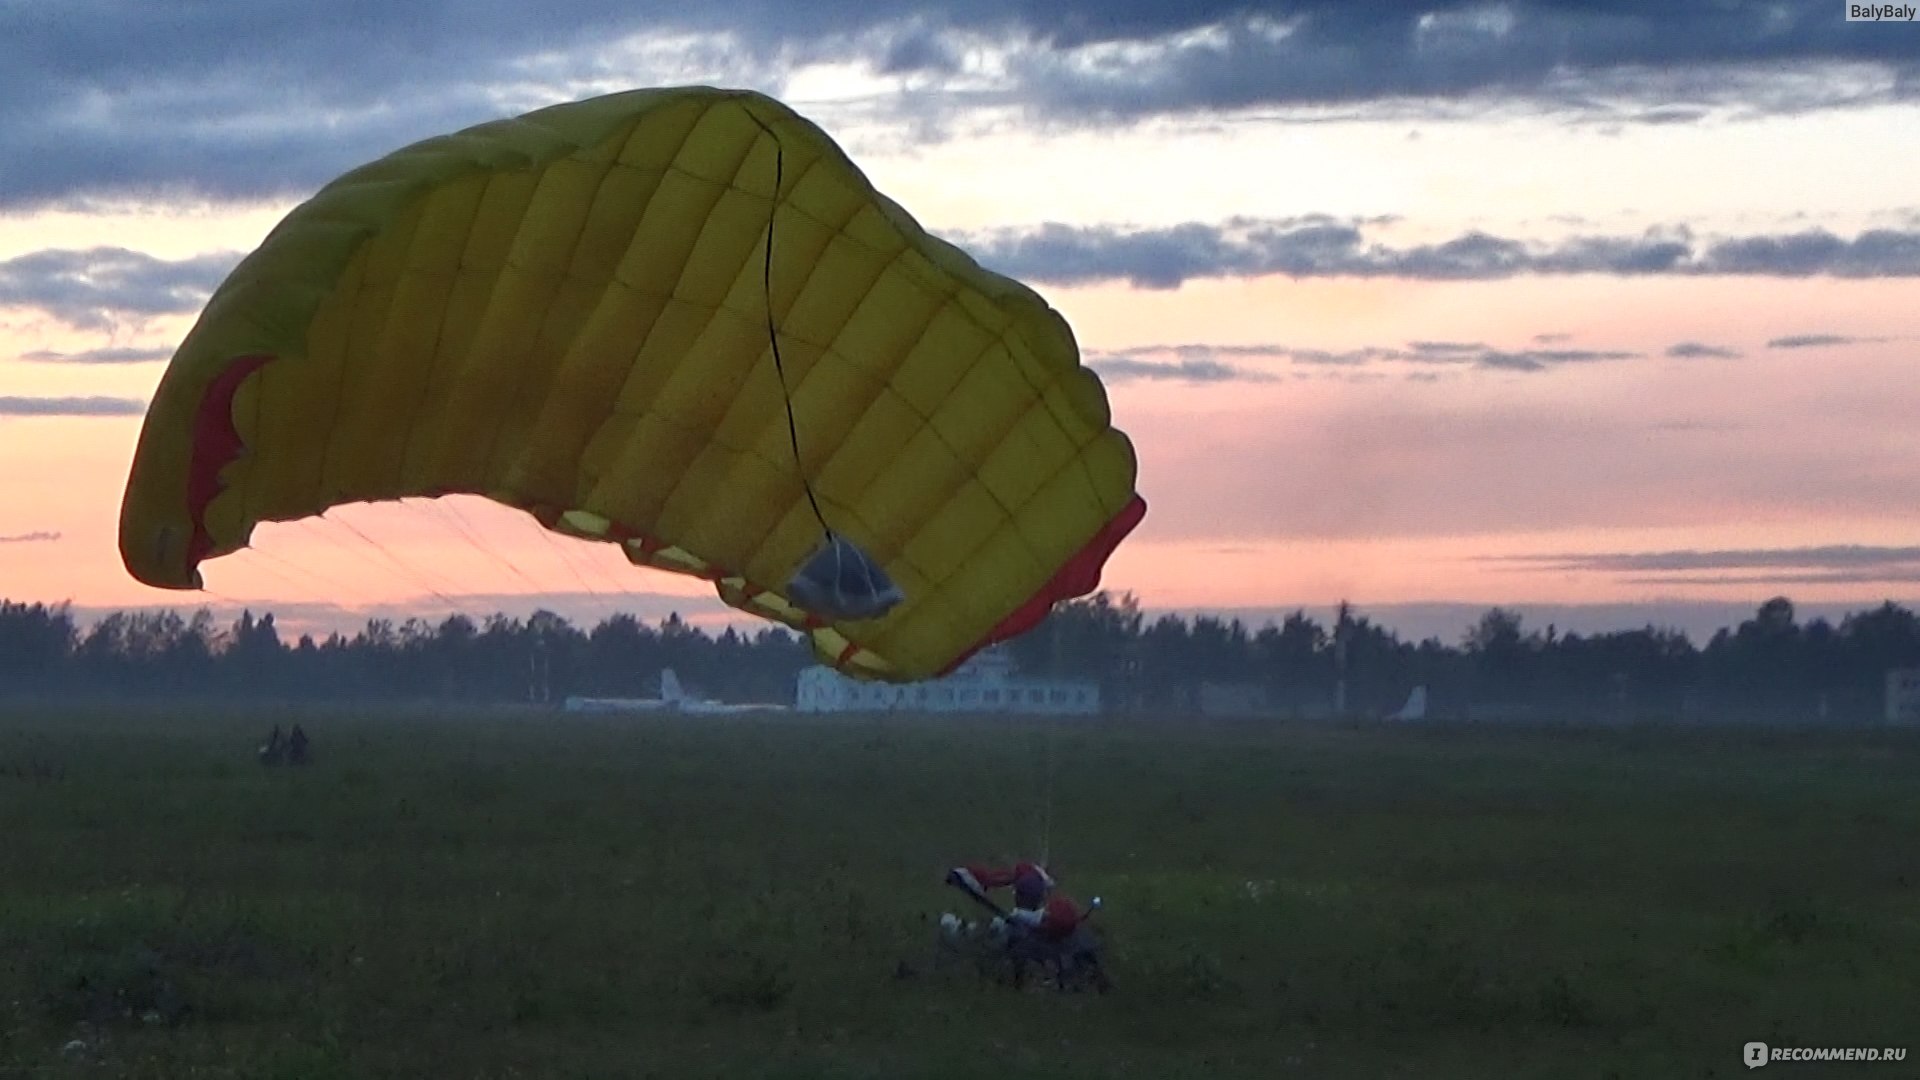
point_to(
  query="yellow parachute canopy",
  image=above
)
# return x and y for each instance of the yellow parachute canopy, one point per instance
(573, 312)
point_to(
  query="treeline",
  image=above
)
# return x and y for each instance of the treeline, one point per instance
(1771, 666)
(43, 651)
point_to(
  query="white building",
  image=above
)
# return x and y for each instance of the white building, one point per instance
(1903, 696)
(985, 683)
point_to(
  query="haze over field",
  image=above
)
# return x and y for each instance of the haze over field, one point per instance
(1602, 312)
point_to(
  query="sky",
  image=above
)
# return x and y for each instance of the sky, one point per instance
(1606, 312)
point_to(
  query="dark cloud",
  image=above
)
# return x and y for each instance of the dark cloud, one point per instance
(1690, 350)
(1785, 579)
(1217, 363)
(1127, 369)
(1168, 256)
(104, 288)
(114, 354)
(1874, 253)
(920, 48)
(71, 406)
(1840, 558)
(248, 98)
(39, 536)
(1817, 341)
(1676, 114)
(1450, 349)
(1632, 61)
(1542, 359)
(107, 288)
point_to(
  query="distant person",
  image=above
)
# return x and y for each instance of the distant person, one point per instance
(297, 747)
(275, 748)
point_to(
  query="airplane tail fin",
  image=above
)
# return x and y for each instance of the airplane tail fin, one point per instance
(1415, 708)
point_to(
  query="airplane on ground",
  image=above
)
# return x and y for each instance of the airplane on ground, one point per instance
(1414, 710)
(671, 691)
(673, 698)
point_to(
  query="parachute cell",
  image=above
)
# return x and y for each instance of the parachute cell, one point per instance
(574, 312)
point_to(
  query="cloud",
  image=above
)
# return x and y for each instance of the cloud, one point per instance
(71, 406)
(1688, 350)
(103, 288)
(1166, 257)
(1542, 359)
(1127, 369)
(1874, 253)
(1845, 558)
(1785, 579)
(1625, 62)
(1449, 348)
(1221, 363)
(119, 354)
(39, 536)
(1818, 341)
(244, 99)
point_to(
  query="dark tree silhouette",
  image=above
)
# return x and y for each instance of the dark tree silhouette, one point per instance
(1769, 667)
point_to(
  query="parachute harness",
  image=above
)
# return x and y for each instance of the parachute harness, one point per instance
(838, 580)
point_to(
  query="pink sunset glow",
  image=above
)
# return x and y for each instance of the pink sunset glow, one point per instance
(1391, 424)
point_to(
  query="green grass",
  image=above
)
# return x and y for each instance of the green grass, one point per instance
(518, 894)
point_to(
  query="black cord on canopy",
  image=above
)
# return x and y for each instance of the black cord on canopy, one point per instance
(839, 580)
(773, 336)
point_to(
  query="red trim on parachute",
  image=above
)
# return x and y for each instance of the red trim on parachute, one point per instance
(1080, 576)
(216, 444)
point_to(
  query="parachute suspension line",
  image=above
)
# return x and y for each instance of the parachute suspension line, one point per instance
(219, 597)
(1046, 805)
(773, 335)
(450, 513)
(310, 527)
(559, 548)
(418, 577)
(331, 587)
(591, 554)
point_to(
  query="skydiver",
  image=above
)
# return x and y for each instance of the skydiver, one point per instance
(1044, 927)
(274, 748)
(1036, 906)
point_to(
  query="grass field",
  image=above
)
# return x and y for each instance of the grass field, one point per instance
(521, 894)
